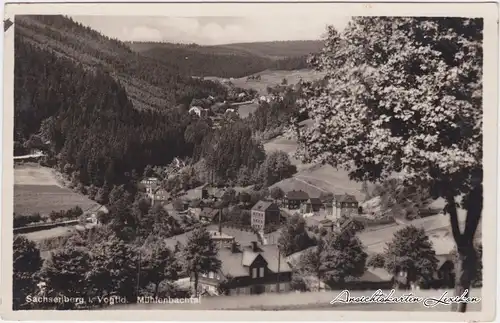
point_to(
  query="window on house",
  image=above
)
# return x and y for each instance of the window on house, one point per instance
(254, 272)
(211, 275)
(261, 272)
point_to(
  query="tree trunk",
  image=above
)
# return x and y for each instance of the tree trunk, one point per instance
(465, 266)
(195, 284)
(157, 286)
(465, 270)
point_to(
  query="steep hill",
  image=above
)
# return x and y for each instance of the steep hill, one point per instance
(73, 100)
(232, 60)
(149, 83)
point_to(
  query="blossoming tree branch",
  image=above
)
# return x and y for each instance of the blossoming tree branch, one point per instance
(403, 97)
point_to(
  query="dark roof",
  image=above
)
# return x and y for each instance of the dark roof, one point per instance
(315, 201)
(263, 205)
(346, 198)
(209, 213)
(236, 264)
(297, 195)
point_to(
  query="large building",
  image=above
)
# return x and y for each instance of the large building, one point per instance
(264, 213)
(209, 215)
(313, 204)
(159, 196)
(344, 205)
(151, 184)
(294, 199)
(248, 270)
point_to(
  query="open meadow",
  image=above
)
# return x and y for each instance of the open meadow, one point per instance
(313, 179)
(38, 190)
(272, 78)
(244, 110)
(39, 236)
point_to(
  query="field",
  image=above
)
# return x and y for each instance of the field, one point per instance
(272, 78)
(38, 236)
(313, 179)
(37, 189)
(245, 109)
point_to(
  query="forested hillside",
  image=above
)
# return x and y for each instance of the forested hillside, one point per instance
(86, 119)
(81, 97)
(235, 60)
(149, 84)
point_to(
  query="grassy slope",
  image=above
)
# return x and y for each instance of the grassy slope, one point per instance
(271, 78)
(313, 179)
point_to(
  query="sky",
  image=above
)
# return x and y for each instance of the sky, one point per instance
(213, 30)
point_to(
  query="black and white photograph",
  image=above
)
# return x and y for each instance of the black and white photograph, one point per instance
(260, 158)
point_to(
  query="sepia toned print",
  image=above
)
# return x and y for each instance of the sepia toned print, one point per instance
(227, 162)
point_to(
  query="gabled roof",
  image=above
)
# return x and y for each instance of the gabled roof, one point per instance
(346, 198)
(236, 264)
(262, 205)
(297, 195)
(249, 257)
(209, 213)
(314, 201)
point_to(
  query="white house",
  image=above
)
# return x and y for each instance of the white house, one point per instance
(150, 183)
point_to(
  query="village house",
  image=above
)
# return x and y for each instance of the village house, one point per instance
(345, 205)
(150, 183)
(208, 215)
(313, 204)
(263, 213)
(248, 270)
(293, 199)
(159, 196)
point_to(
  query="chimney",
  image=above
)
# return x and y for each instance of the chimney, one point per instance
(255, 248)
